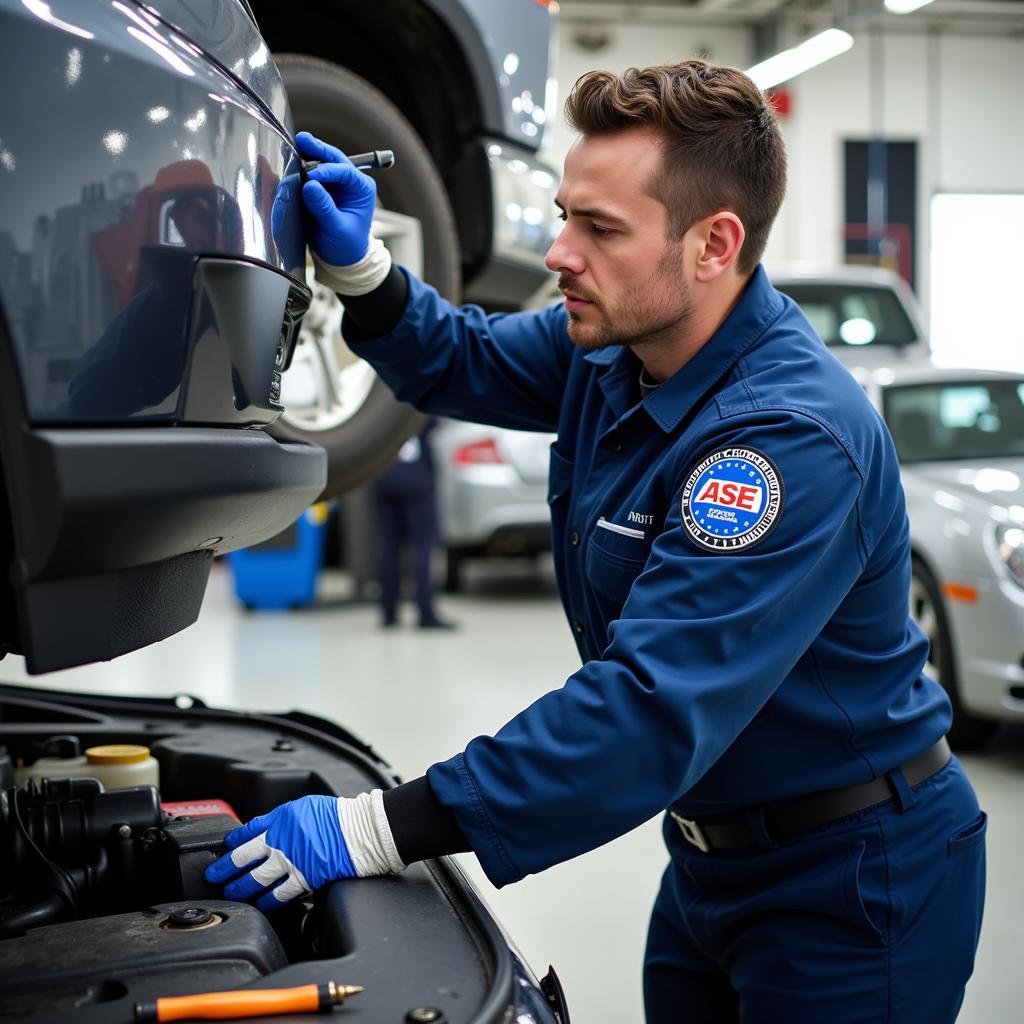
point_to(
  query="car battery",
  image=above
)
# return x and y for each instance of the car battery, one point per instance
(282, 572)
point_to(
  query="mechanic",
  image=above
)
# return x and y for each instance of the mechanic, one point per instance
(731, 546)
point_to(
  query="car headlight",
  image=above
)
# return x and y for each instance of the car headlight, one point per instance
(1010, 550)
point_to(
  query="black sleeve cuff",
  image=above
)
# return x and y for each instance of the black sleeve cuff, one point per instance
(421, 826)
(376, 313)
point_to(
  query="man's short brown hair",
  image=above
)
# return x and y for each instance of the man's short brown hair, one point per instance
(723, 147)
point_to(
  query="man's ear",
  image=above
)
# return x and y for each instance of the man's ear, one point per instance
(720, 237)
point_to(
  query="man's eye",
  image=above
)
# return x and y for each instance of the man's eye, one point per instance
(562, 217)
(600, 232)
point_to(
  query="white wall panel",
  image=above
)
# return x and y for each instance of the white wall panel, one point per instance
(639, 45)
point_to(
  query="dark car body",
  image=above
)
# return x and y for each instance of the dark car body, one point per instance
(151, 287)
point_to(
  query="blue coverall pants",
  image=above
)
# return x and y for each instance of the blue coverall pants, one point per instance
(873, 919)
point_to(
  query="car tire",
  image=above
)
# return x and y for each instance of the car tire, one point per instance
(347, 111)
(929, 611)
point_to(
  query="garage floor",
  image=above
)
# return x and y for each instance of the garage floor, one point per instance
(419, 696)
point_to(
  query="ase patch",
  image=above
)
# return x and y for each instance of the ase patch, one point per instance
(732, 499)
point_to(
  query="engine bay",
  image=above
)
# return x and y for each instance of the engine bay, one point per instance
(103, 902)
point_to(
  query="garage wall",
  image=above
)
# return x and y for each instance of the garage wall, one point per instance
(952, 94)
(640, 45)
(956, 95)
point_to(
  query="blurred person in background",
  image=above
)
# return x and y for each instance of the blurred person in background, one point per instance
(405, 505)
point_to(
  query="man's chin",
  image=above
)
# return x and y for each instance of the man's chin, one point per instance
(589, 336)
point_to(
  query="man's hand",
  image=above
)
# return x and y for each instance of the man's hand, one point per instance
(341, 200)
(301, 846)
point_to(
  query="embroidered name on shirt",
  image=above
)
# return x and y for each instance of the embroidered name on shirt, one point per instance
(639, 517)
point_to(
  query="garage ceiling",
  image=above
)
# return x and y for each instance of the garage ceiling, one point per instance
(788, 17)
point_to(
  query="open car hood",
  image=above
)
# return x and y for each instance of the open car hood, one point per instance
(419, 942)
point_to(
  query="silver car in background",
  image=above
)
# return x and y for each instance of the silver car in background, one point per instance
(960, 439)
(491, 493)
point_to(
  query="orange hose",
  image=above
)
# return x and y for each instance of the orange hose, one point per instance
(254, 1002)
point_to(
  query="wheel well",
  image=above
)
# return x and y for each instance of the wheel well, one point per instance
(916, 555)
(406, 51)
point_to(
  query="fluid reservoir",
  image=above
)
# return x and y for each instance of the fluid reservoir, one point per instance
(123, 764)
(115, 765)
(61, 758)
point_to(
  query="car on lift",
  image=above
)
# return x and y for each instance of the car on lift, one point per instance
(463, 92)
(152, 288)
(959, 435)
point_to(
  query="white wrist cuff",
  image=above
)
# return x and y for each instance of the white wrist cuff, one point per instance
(364, 824)
(357, 278)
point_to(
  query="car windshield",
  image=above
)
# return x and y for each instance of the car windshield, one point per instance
(956, 419)
(852, 314)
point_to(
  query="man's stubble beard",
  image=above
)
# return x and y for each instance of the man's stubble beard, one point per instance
(653, 312)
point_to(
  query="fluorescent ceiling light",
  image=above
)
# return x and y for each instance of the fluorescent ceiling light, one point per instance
(810, 53)
(904, 6)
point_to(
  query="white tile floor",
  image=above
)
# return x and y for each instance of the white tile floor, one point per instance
(419, 696)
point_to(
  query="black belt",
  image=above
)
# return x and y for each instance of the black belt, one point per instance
(785, 820)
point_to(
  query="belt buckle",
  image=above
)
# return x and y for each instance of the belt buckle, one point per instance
(692, 832)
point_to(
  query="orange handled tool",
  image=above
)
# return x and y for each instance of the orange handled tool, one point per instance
(250, 1002)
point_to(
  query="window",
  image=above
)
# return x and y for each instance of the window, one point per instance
(852, 314)
(956, 420)
(975, 295)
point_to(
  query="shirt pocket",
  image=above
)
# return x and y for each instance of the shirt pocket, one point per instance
(615, 558)
(559, 476)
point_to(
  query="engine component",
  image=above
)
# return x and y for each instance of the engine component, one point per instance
(188, 845)
(106, 963)
(117, 766)
(73, 847)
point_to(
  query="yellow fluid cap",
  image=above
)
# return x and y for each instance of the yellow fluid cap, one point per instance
(117, 753)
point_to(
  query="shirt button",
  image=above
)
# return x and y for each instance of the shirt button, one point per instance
(616, 446)
(577, 625)
(574, 539)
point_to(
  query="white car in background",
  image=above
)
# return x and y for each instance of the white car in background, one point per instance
(867, 316)
(960, 439)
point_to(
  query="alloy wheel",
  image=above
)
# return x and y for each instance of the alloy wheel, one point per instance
(327, 383)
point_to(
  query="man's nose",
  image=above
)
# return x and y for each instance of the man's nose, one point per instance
(562, 256)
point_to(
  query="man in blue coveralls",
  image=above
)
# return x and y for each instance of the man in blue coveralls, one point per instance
(732, 553)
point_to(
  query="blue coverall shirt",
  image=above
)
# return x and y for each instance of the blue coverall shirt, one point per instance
(751, 646)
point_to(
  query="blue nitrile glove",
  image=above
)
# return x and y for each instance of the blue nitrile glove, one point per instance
(302, 845)
(341, 200)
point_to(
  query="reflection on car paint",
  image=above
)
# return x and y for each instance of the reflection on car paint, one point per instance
(169, 166)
